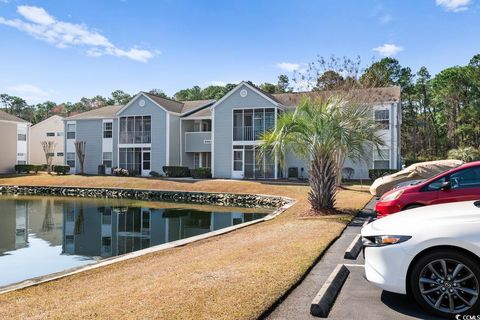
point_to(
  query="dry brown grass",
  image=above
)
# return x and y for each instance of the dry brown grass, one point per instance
(233, 276)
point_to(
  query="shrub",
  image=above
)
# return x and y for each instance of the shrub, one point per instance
(155, 174)
(466, 154)
(347, 173)
(176, 171)
(201, 173)
(27, 168)
(60, 169)
(120, 172)
(374, 174)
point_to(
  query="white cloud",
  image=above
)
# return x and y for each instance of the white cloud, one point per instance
(41, 25)
(29, 92)
(385, 19)
(454, 5)
(388, 49)
(288, 66)
(36, 14)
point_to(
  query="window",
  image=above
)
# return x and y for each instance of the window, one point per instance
(196, 160)
(107, 159)
(21, 162)
(381, 159)
(71, 159)
(50, 134)
(146, 160)
(436, 185)
(22, 134)
(71, 128)
(107, 129)
(250, 124)
(59, 154)
(20, 154)
(465, 179)
(51, 154)
(382, 119)
(256, 167)
(131, 159)
(206, 159)
(59, 134)
(135, 129)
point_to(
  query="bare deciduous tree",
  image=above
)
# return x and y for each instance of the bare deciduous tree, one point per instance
(49, 150)
(80, 149)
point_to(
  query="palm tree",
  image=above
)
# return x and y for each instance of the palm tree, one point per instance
(324, 132)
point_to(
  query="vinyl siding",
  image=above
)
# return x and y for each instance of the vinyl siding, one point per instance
(90, 131)
(159, 140)
(8, 155)
(39, 133)
(223, 135)
(174, 140)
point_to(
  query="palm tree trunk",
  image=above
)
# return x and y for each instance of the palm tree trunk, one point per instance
(323, 182)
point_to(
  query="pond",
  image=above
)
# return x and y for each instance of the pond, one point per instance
(43, 235)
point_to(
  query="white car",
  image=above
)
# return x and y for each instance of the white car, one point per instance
(431, 253)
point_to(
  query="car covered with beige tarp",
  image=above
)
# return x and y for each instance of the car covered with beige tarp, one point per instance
(417, 171)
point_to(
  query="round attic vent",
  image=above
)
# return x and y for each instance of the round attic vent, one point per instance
(243, 93)
(141, 103)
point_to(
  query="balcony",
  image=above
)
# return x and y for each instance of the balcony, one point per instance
(198, 141)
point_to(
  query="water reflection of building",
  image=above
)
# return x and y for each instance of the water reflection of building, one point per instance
(19, 217)
(108, 231)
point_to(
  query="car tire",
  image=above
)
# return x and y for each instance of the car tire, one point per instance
(412, 206)
(437, 297)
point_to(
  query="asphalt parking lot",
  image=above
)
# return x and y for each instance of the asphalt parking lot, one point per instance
(358, 299)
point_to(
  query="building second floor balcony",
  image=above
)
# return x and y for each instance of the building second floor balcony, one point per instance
(198, 141)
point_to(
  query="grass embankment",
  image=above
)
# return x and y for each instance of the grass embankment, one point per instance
(232, 276)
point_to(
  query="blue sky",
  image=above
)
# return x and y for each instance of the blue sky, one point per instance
(64, 50)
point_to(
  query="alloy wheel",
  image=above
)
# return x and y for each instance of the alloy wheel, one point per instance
(448, 286)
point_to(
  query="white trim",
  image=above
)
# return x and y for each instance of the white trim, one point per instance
(134, 145)
(243, 83)
(196, 118)
(146, 96)
(275, 174)
(212, 150)
(232, 175)
(180, 141)
(167, 152)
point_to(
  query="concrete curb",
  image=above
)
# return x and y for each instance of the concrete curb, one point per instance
(108, 261)
(354, 248)
(325, 298)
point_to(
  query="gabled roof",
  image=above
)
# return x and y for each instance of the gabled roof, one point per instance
(194, 105)
(168, 104)
(371, 95)
(10, 117)
(99, 113)
(266, 95)
(45, 120)
(202, 113)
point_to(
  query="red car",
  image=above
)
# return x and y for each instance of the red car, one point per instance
(459, 184)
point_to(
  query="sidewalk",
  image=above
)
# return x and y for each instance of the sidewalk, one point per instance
(297, 304)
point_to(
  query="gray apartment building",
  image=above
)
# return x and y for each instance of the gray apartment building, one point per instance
(151, 132)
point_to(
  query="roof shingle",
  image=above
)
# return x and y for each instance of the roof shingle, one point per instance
(10, 117)
(100, 113)
(372, 95)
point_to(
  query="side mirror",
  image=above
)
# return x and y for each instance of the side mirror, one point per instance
(446, 186)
